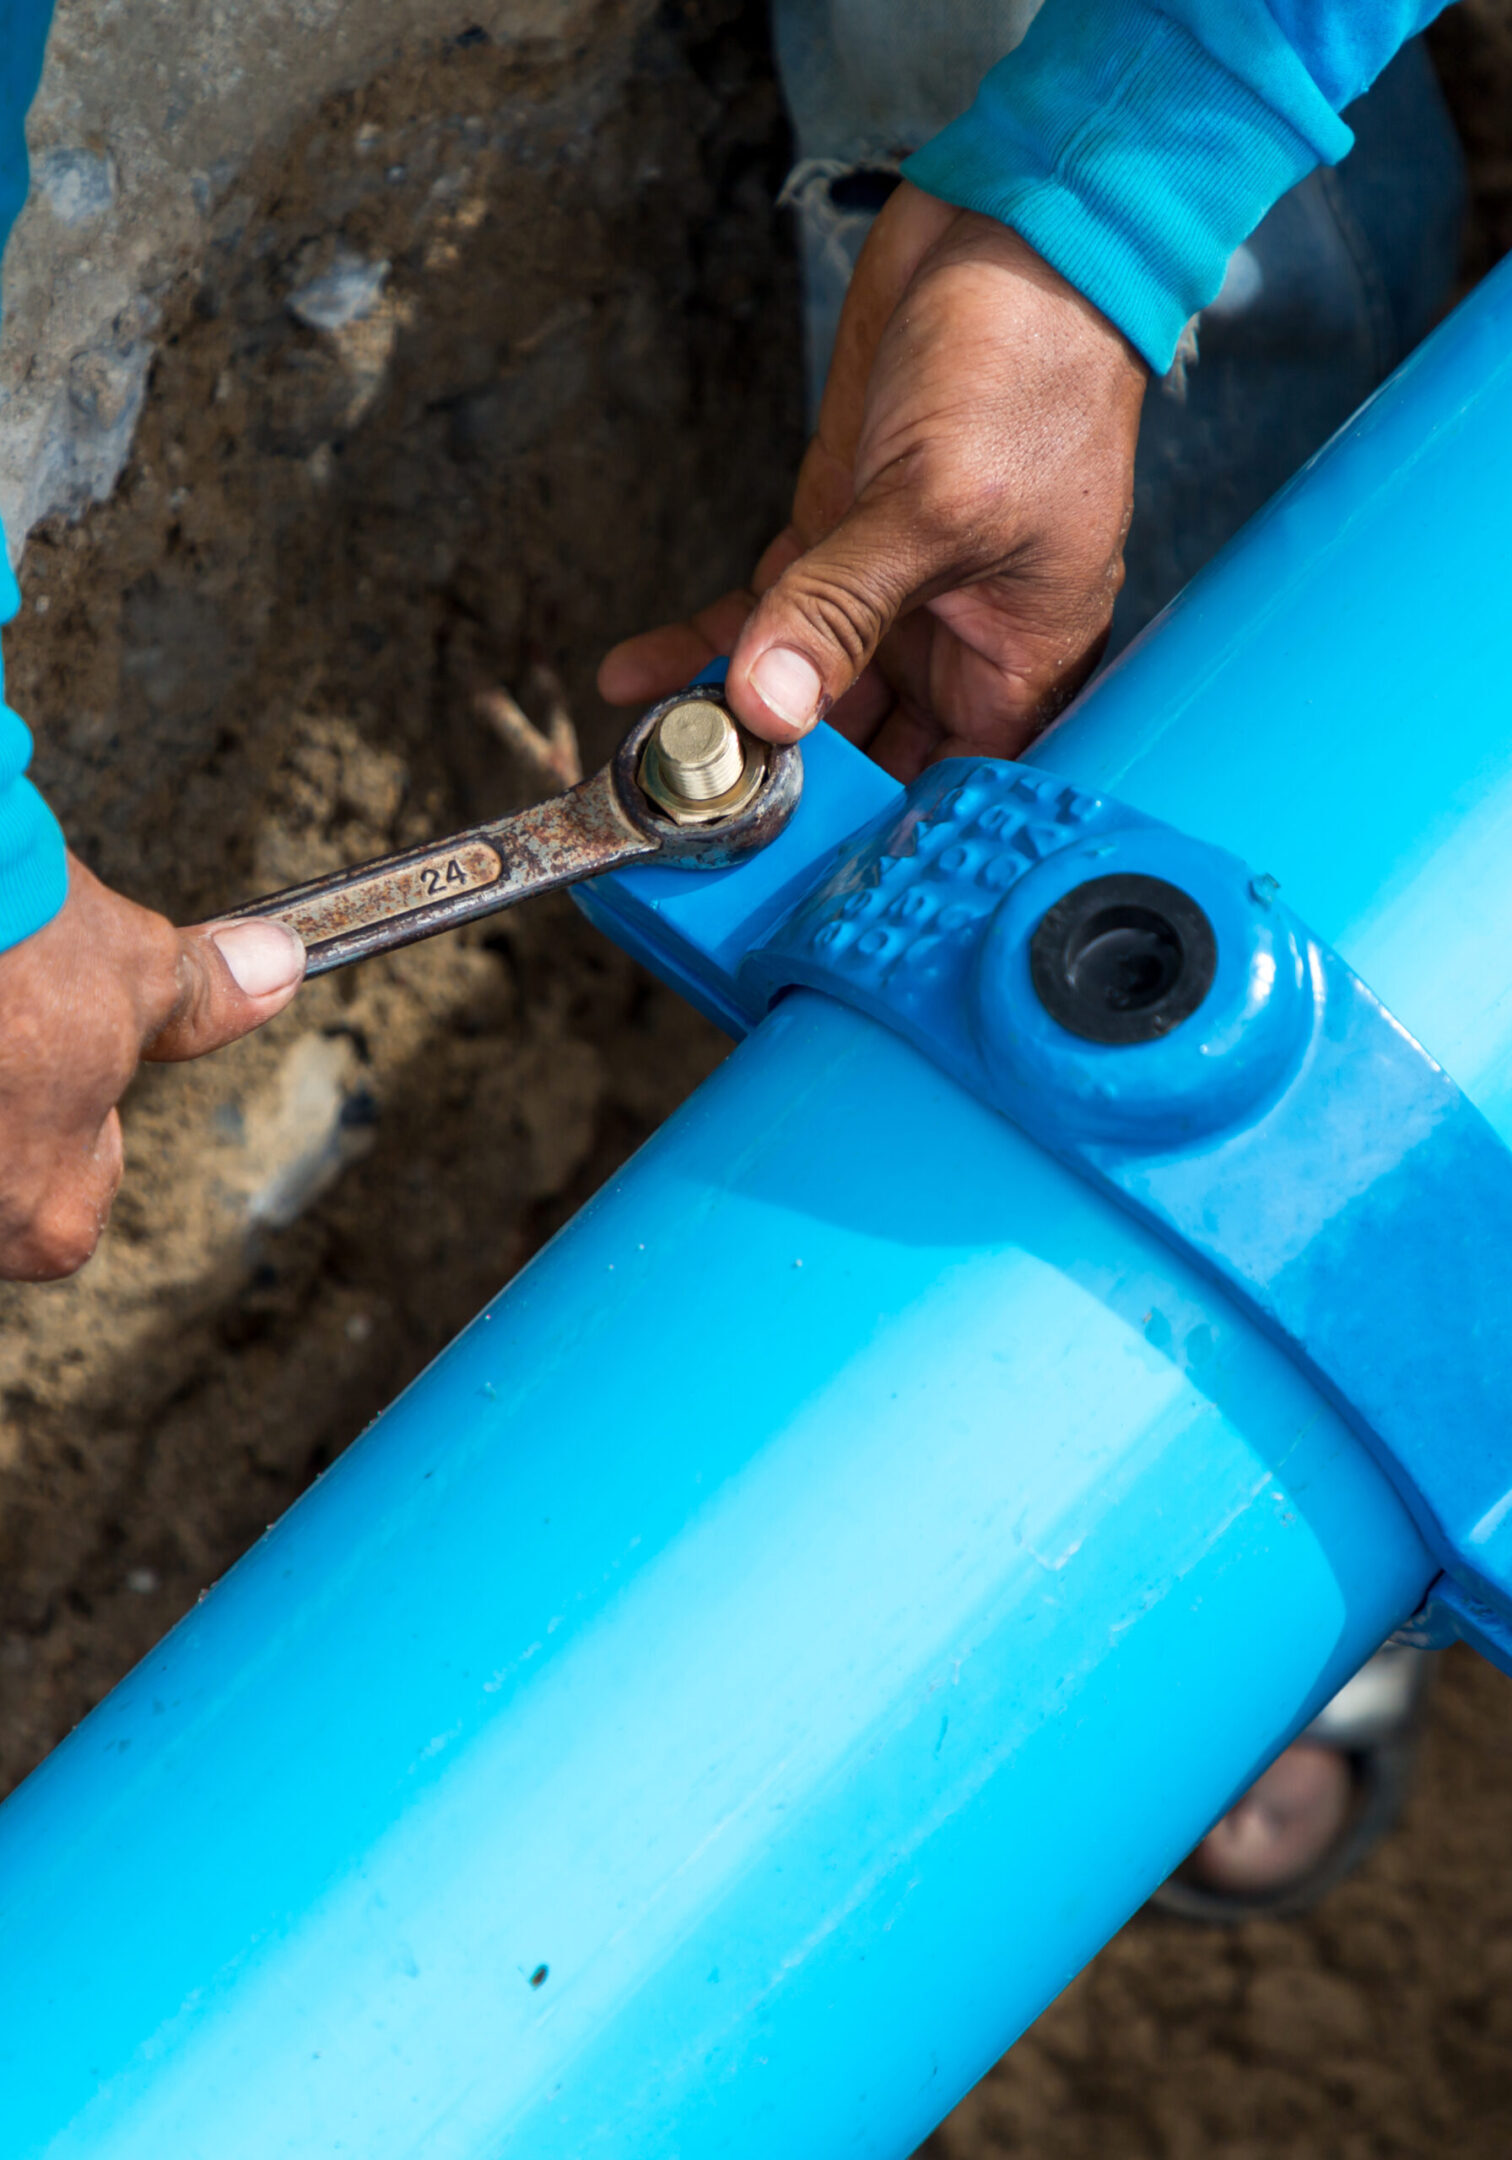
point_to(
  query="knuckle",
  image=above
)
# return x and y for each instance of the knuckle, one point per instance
(842, 612)
(54, 1203)
(59, 1238)
(161, 981)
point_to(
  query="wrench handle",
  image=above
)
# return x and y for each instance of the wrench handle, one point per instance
(377, 906)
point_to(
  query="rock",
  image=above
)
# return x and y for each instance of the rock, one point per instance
(345, 293)
(77, 185)
(174, 101)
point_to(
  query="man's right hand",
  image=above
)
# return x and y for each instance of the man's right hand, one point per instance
(103, 985)
(957, 539)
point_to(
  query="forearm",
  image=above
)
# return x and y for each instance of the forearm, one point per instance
(1136, 143)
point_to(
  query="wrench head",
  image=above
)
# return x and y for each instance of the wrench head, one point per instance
(712, 834)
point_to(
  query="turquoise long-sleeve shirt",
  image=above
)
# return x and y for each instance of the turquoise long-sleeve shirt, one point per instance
(1134, 143)
(33, 870)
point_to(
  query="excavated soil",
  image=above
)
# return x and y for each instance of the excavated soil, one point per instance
(573, 411)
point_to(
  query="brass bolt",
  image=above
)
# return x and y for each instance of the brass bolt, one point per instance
(699, 750)
(698, 766)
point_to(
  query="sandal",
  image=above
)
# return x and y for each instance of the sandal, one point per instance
(1352, 1764)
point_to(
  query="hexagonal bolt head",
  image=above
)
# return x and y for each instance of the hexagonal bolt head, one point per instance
(699, 751)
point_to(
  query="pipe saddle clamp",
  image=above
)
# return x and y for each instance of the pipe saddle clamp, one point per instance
(1149, 1011)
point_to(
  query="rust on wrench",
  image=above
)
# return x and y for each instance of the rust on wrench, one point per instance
(604, 823)
(462, 867)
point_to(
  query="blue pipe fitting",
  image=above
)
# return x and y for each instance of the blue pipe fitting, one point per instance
(1276, 1123)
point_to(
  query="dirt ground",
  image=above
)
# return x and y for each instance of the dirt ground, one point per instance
(575, 411)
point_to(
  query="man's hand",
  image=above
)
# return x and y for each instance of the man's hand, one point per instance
(957, 539)
(102, 985)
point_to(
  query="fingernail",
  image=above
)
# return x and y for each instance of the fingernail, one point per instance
(788, 683)
(262, 956)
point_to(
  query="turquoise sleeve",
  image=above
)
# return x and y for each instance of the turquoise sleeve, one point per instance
(33, 866)
(1136, 145)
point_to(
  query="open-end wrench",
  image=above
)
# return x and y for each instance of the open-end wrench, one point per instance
(688, 786)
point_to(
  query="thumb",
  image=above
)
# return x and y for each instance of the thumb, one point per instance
(817, 627)
(232, 977)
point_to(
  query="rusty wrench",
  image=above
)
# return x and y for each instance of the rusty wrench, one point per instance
(662, 797)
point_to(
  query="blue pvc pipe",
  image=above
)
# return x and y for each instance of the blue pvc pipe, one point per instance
(773, 1648)
(815, 1605)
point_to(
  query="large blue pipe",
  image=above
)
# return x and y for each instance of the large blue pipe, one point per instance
(733, 1690)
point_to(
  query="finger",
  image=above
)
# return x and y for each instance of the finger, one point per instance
(658, 662)
(817, 628)
(863, 710)
(1005, 669)
(653, 665)
(904, 744)
(982, 671)
(908, 734)
(61, 1228)
(232, 977)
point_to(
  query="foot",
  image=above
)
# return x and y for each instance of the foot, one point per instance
(1312, 1817)
(1282, 1828)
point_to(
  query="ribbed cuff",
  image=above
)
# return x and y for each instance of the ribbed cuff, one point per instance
(1131, 156)
(33, 863)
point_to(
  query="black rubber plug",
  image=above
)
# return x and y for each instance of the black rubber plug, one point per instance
(1123, 959)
